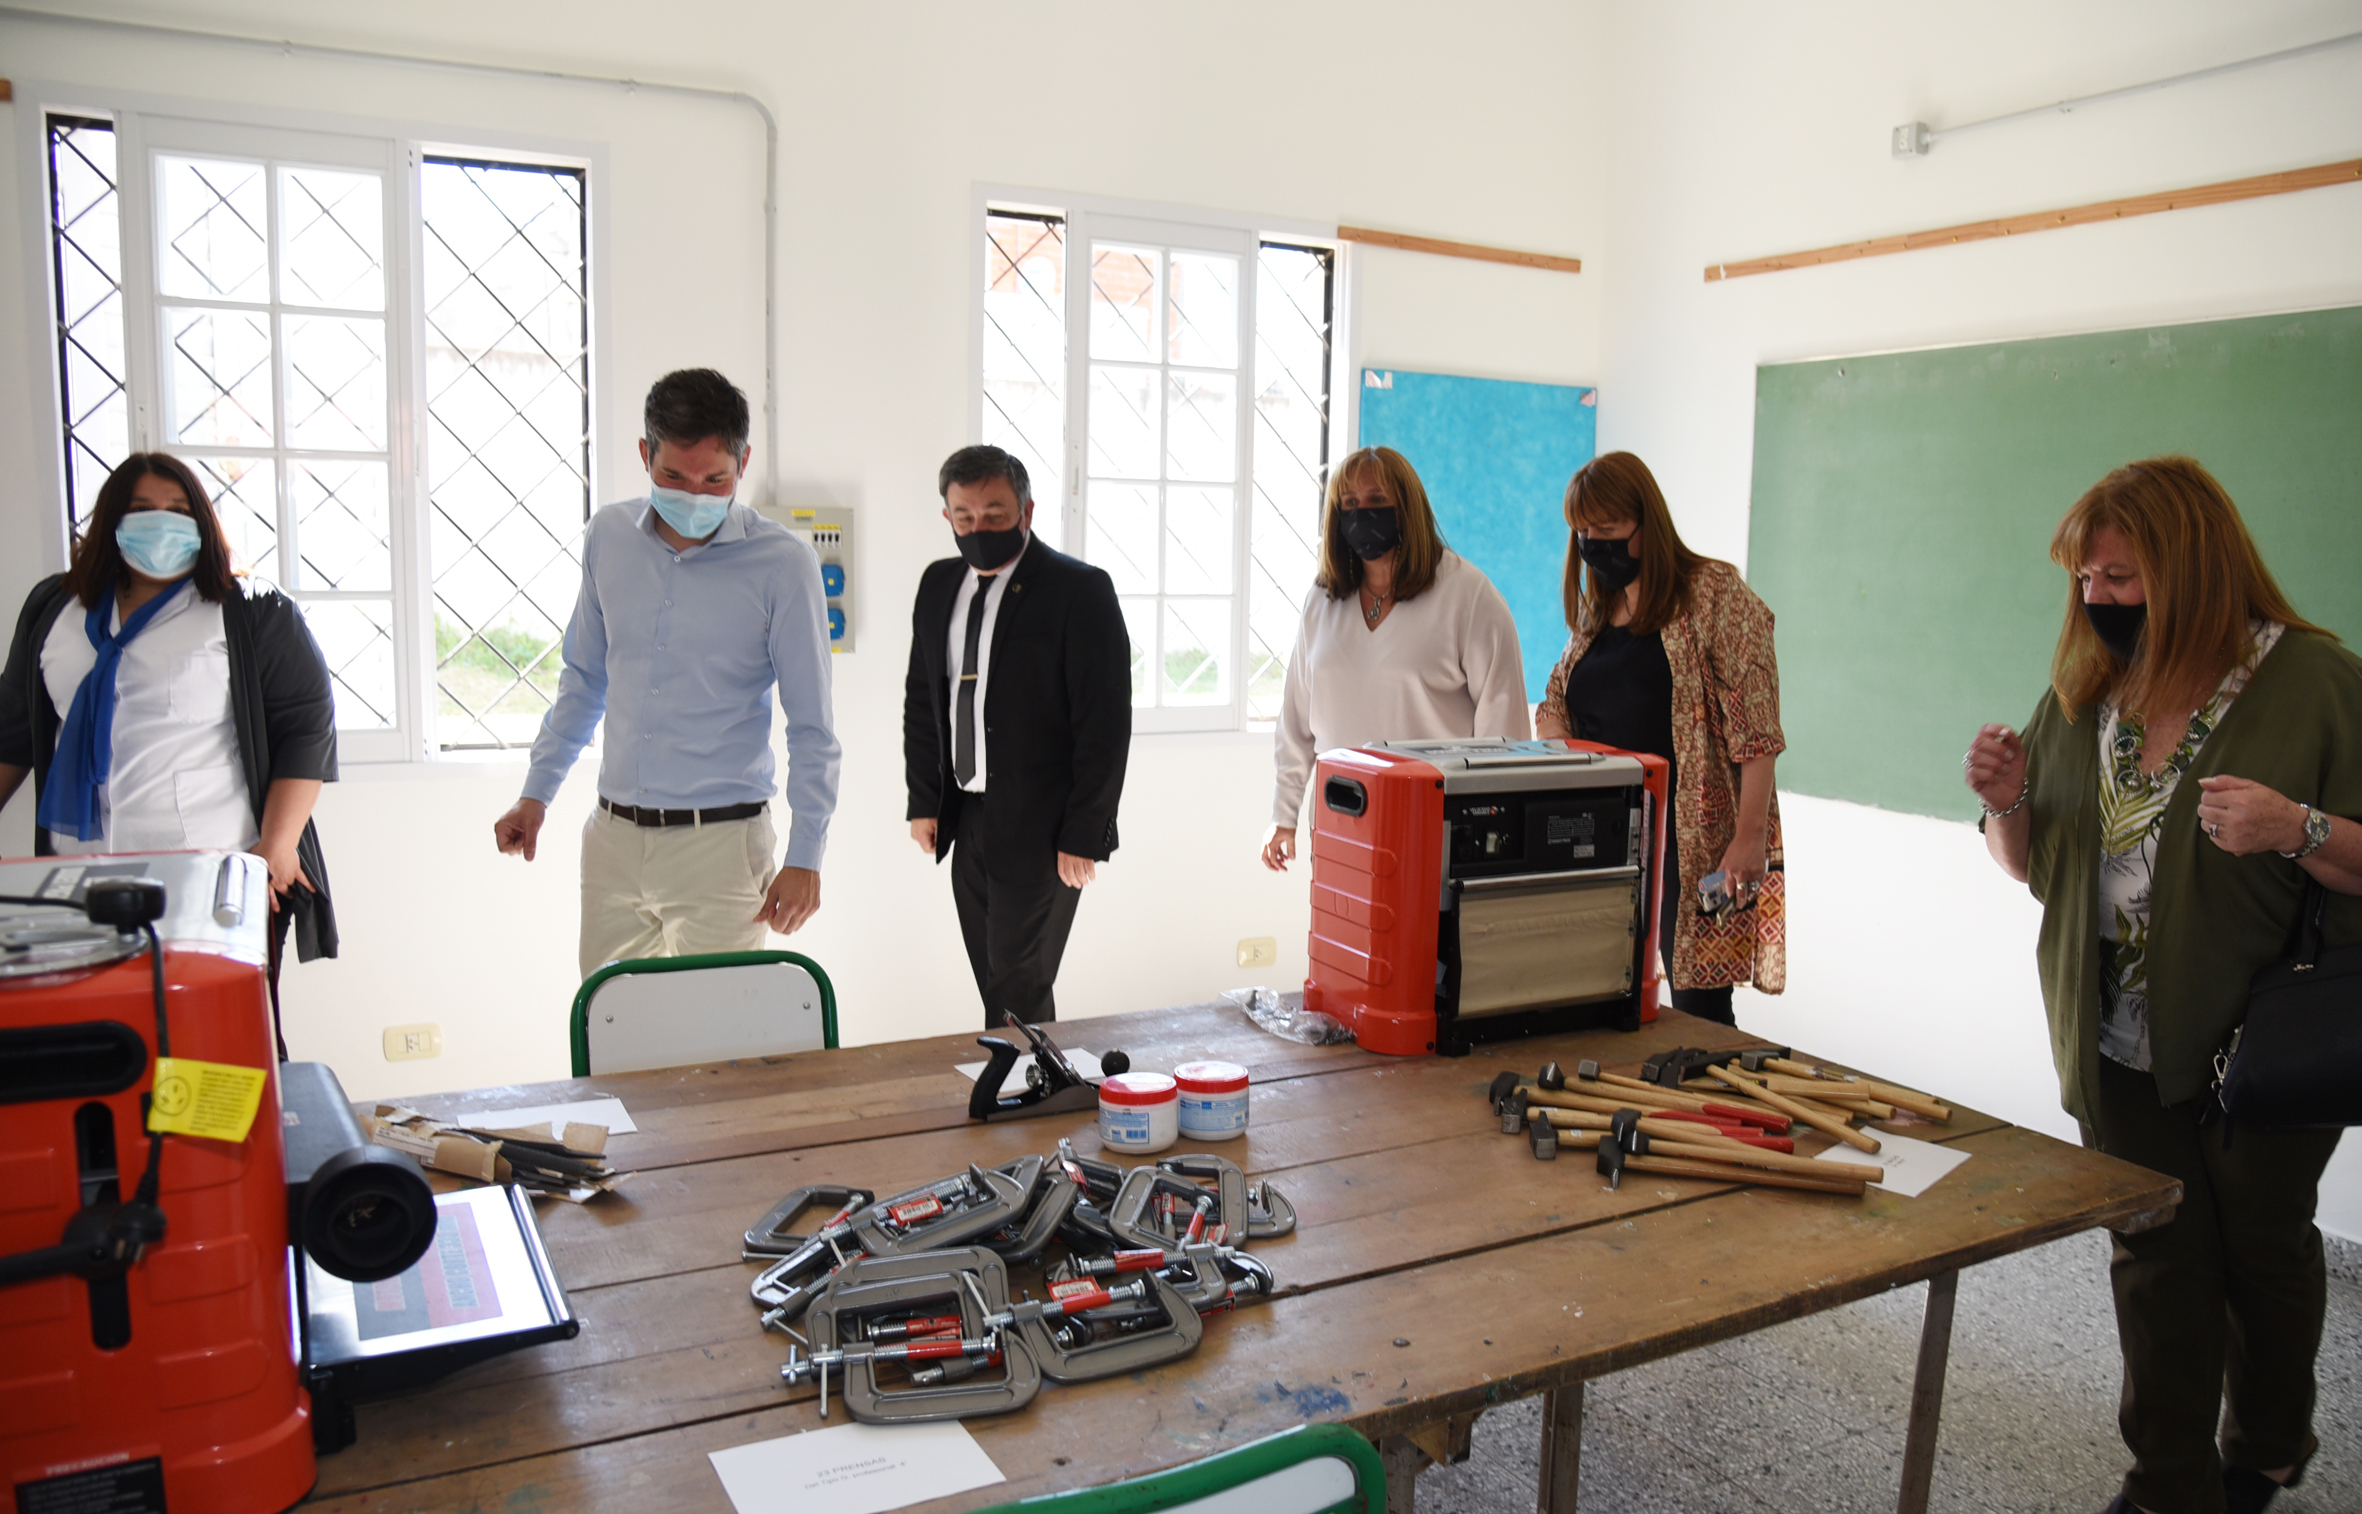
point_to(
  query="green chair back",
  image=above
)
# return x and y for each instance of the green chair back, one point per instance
(1311, 1469)
(712, 1008)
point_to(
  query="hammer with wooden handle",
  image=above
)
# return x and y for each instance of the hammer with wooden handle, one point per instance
(1640, 1142)
(1661, 1129)
(1901, 1098)
(1639, 1092)
(1795, 1111)
(1613, 1160)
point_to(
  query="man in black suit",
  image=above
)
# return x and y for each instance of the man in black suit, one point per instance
(1016, 720)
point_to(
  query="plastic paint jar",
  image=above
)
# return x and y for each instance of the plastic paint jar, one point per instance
(1213, 1100)
(1139, 1111)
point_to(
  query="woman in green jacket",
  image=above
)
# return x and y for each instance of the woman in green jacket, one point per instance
(2199, 757)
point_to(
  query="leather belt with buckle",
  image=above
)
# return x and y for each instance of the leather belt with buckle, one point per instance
(640, 816)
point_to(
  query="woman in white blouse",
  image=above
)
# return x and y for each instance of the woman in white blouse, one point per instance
(1402, 640)
(161, 703)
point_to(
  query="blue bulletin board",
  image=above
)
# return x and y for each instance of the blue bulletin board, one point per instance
(1495, 457)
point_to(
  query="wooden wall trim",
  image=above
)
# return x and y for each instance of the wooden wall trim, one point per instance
(2261, 185)
(1459, 249)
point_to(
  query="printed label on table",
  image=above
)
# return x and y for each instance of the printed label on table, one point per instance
(916, 1210)
(213, 1100)
(853, 1469)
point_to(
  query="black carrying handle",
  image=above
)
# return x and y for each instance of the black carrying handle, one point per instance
(2306, 952)
(1345, 796)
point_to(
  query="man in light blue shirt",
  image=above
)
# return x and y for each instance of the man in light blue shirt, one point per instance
(693, 608)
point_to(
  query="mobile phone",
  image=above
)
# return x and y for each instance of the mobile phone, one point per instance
(1714, 893)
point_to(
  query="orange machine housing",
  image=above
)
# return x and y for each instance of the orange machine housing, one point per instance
(1467, 891)
(174, 1384)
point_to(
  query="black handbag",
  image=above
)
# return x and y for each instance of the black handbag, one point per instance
(2297, 1058)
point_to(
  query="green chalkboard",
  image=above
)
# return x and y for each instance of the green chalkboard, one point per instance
(1903, 507)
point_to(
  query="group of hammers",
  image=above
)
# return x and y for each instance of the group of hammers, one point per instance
(1694, 1114)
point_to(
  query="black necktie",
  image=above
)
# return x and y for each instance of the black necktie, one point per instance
(963, 731)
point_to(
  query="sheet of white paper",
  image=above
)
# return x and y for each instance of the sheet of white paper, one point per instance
(854, 1469)
(1912, 1167)
(1085, 1064)
(607, 1112)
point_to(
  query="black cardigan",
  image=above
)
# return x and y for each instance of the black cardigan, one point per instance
(280, 703)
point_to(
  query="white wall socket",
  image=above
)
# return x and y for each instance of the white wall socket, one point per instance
(1258, 951)
(407, 1043)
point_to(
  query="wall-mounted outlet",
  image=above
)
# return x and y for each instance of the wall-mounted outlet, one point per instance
(407, 1043)
(1258, 951)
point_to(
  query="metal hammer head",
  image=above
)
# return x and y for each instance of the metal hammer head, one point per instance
(1545, 1137)
(1587, 1070)
(1623, 1125)
(1611, 1163)
(1552, 1077)
(1753, 1060)
(1513, 1111)
(1503, 1086)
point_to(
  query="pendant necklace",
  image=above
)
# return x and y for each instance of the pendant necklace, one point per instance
(1377, 608)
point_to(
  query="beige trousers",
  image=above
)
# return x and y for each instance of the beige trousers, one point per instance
(673, 890)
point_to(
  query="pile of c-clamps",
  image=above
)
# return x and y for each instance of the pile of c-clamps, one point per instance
(906, 1300)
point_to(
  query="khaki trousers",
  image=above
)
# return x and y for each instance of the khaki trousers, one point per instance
(2218, 1310)
(673, 890)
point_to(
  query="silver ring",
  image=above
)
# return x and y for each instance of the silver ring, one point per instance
(2215, 830)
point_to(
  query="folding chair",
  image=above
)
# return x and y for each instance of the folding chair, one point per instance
(1311, 1469)
(679, 1011)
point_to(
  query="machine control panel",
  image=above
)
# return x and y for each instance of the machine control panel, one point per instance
(1554, 831)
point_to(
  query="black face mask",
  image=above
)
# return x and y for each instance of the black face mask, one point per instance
(990, 551)
(1372, 533)
(1611, 562)
(2118, 626)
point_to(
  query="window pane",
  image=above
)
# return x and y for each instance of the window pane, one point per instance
(508, 449)
(333, 238)
(336, 383)
(217, 378)
(1025, 344)
(357, 639)
(85, 242)
(1198, 541)
(1140, 621)
(248, 505)
(1123, 534)
(1201, 426)
(341, 524)
(210, 219)
(1204, 311)
(1124, 422)
(1196, 652)
(1123, 304)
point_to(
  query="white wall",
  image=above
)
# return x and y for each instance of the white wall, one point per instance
(1745, 131)
(1380, 115)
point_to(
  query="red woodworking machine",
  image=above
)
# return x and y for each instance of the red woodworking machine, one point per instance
(186, 1314)
(1467, 891)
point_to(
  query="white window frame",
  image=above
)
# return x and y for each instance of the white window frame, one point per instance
(339, 141)
(1185, 228)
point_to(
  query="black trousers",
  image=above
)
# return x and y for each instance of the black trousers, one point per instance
(1014, 916)
(2219, 1309)
(1705, 1003)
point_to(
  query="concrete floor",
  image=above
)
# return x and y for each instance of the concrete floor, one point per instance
(1809, 1415)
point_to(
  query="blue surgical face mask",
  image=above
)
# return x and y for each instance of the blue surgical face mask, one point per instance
(696, 516)
(159, 543)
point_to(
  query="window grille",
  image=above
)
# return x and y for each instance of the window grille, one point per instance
(86, 267)
(507, 359)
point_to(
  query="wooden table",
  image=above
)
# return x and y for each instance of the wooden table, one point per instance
(1419, 1222)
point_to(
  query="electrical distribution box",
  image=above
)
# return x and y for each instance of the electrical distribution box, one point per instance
(829, 528)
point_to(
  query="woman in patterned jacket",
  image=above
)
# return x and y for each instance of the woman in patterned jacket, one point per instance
(1671, 653)
(2194, 766)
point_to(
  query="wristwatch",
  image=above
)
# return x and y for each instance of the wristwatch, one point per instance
(2316, 832)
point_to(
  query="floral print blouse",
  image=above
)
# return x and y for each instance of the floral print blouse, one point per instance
(1726, 710)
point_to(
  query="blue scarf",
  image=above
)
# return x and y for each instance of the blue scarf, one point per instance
(86, 742)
